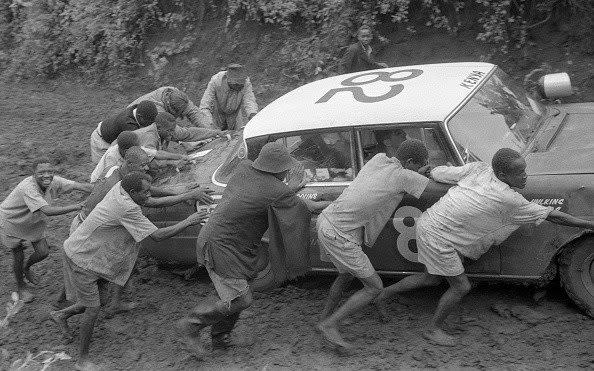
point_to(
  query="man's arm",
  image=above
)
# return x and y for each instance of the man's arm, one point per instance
(60, 210)
(559, 217)
(176, 190)
(250, 106)
(164, 233)
(195, 194)
(207, 102)
(194, 134)
(348, 60)
(193, 114)
(83, 187)
(165, 155)
(315, 206)
(453, 174)
(435, 188)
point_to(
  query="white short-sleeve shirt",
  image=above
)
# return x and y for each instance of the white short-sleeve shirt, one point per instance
(106, 242)
(479, 212)
(363, 209)
(20, 214)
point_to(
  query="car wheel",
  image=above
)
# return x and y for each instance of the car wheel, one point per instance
(576, 268)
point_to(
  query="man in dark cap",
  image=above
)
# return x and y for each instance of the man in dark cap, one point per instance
(228, 102)
(230, 246)
(174, 101)
(131, 118)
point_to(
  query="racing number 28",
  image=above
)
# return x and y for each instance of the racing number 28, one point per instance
(354, 87)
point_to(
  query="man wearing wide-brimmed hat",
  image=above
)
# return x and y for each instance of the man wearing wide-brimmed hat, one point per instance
(228, 102)
(230, 245)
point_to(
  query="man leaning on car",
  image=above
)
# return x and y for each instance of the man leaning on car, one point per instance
(482, 210)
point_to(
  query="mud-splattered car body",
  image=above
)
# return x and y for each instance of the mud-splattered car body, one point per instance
(463, 112)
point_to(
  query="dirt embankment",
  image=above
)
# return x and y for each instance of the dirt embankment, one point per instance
(503, 327)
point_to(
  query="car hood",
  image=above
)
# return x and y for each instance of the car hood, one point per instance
(570, 149)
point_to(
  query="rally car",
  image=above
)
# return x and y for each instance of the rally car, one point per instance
(463, 112)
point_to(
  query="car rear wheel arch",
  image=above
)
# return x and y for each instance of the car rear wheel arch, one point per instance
(576, 271)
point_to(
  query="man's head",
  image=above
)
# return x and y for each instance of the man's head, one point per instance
(236, 76)
(43, 172)
(146, 112)
(412, 154)
(138, 186)
(510, 167)
(135, 160)
(274, 158)
(389, 140)
(125, 140)
(175, 102)
(364, 35)
(165, 125)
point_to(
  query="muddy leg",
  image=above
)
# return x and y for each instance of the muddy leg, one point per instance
(409, 283)
(41, 251)
(459, 287)
(336, 290)
(328, 327)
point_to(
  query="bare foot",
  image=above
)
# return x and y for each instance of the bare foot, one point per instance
(454, 327)
(125, 306)
(190, 338)
(85, 365)
(332, 336)
(31, 277)
(439, 337)
(59, 320)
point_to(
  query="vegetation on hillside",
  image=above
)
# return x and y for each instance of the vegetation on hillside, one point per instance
(46, 37)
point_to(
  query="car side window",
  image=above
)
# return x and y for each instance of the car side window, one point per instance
(436, 146)
(327, 157)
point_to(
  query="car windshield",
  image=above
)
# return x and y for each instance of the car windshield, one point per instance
(501, 114)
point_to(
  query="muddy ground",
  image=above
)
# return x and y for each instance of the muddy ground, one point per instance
(504, 327)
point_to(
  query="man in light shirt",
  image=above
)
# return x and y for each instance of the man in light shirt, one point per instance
(481, 211)
(358, 216)
(23, 218)
(228, 102)
(104, 249)
(114, 156)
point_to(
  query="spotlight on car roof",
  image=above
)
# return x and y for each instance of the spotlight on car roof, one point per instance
(555, 85)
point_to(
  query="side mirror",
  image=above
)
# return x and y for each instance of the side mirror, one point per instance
(555, 85)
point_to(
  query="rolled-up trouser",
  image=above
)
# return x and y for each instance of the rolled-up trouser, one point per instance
(98, 145)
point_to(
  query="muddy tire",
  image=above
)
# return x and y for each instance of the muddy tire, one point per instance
(576, 269)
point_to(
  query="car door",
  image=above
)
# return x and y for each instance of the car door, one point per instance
(395, 250)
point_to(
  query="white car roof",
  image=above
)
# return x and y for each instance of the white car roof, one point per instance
(422, 93)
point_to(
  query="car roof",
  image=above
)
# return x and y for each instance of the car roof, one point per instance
(405, 94)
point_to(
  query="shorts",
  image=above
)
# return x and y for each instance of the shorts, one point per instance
(13, 243)
(228, 288)
(438, 255)
(82, 285)
(347, 256)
